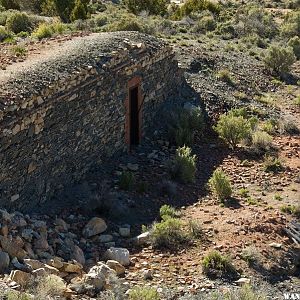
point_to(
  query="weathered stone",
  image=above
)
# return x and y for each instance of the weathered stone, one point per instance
(78, 255)
(4, 261)
(94, 226)
(13, 247)
(33, 263)
(124, 231)
(105, 238)
(72, 268)
(142, 239)
(20, 277)
(56, 262)
(41, 272)
(97, 275)
(121, 255)
(120, 269)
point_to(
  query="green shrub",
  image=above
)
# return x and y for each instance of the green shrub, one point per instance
(10, 4)
(291, 25)
(193, 6)
(154, 7)
(101, 20)
(4, 34)
(19, 50)
(291, 209)
(250, 255)
(51, 286)
(44, 30)
(206, 23)
(224, 75)
(183, 167)
(261, 141)
(244, 192)
(233, 129)
(143, 293)
(294, 42)
(15, 295)
(183, 125)
(216, 265)
(246, 292)
(127, 180)
(279, 59)
(220, 185)
(128, 23)
(168, 233)
(289, 126)
(167, 211)
(18, 22)
(272, 164)
(79, 12)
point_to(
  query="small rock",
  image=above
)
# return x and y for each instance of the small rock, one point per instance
(142, 239)
(124, 231)
(121, 255)
(41, 272)
(4, 261)
(147, 274)
(56, 262)
(94, 226)
(243, 281)
(23, 267)
(275, 245)
(105, 238)
(132, 167)
(120, 270)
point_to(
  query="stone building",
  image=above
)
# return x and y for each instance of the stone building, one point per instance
(67, 108)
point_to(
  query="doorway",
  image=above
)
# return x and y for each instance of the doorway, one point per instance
(134, 127)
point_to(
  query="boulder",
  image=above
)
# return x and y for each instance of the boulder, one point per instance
(72, 267)
(97, 276)
(56, 262)
(4, 261)
(33, 263)
(41, 272)
(78, 255)
(94, 226)
(120, 270)
(13, 247)
(120, 255)
(20, 277)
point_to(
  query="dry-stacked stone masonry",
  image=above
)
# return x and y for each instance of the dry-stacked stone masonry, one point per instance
(90, 98)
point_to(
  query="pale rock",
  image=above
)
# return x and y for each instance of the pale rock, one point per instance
(120, 269)
(121, 255)
(94, 226)
(20, 277)
(97, 276)
(275, 245)
(142, 239)
(4, 261)
(243, 281)
(51, 270)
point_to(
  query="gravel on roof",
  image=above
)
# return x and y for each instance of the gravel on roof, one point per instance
(26, 78)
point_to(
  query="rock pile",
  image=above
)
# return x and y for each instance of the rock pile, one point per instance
(72, 249)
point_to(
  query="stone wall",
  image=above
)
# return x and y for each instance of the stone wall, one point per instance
(68, 112)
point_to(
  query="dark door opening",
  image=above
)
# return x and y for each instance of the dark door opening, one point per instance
(134, 116)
